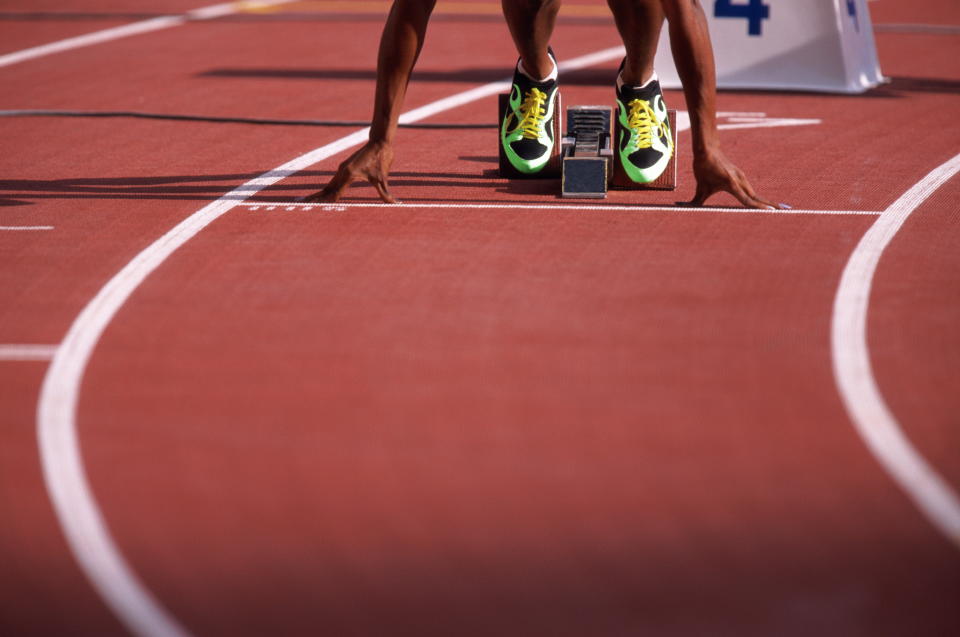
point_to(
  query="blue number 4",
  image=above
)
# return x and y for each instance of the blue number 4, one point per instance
(755, 12)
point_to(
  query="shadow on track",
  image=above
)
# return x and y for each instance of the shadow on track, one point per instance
(173, 187)
(14, 192)
(581, 77)
(897, 87)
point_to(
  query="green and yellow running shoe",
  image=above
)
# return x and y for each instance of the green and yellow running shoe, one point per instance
(526, 127)
(644, 140)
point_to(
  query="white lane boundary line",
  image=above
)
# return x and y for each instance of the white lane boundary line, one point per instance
(66, 480)
(24, 228)
(772, 122)
(26, 352)
(335, 207)
(858, 388)
(127, 30)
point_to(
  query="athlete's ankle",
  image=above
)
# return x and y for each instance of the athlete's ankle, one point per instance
(552, 72)
(641, 85)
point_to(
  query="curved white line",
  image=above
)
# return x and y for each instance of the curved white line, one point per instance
(126, 30)
(66, 480)
(854, 376)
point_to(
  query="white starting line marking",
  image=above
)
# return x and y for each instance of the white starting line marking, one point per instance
(24, 228)
(18, 352)
(340, 207)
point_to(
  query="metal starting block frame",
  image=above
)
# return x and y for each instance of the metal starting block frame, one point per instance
(589, 164)
(584, 159)
(587, 153)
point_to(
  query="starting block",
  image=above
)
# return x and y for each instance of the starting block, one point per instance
(589, 164)
(587, 153)
(585, 160)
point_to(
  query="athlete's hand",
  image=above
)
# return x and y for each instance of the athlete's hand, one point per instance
(715, 173)
(372, 163)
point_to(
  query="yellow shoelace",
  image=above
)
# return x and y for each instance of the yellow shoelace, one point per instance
(643, 120)
(533, 113)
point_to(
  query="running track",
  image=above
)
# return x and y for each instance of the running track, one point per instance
(483, 412)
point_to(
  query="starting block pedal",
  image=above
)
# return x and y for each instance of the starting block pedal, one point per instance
(552, 169)
(666, 181)
(587, 153)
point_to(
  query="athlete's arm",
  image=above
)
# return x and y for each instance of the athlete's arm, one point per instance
(400, 46)
(693, 57)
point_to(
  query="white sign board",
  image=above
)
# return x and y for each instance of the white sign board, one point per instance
(815, 45)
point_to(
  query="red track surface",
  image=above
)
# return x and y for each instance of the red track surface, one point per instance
(391, 421)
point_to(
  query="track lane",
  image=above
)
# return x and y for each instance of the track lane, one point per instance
(442, 578)
(480, 443)
(340, 260)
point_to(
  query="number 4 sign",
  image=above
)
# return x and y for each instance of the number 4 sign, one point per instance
(753, 11)
(815, 45)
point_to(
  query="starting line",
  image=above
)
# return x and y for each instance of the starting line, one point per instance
(341, 207)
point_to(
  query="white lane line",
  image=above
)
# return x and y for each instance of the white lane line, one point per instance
(144, 26)
(26, 352)
(24, 228)
(66, 480)
(744, 122)
(333, 207)
(127, 30)
(858, 388)
(739, 121)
